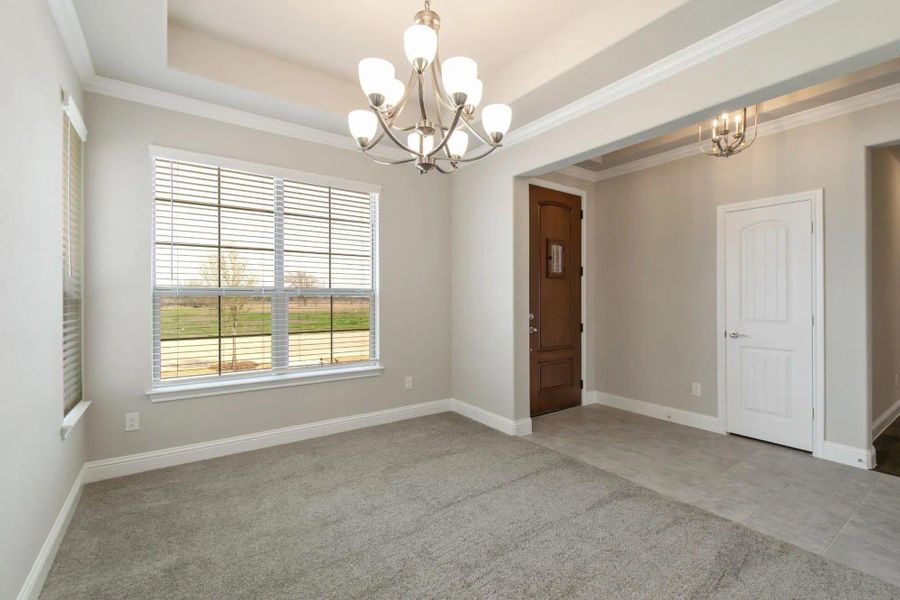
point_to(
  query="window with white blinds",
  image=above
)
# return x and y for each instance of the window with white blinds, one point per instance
(71, 244)
(257, 274)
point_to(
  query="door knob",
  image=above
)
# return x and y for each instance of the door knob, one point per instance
(734, 335)
(532, 329)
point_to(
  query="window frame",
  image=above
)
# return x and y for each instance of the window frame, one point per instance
(275, 376)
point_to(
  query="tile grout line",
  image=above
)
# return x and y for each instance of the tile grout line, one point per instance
(844, 526)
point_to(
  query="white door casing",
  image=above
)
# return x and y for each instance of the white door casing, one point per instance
(768, 300)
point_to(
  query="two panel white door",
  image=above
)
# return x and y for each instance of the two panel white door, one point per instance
(769, 323)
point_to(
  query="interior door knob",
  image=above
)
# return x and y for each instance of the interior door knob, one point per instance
(734, 335)
(532, 329)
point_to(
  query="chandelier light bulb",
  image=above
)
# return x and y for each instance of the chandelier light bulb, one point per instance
(496, 119)
(395, 91)
(420, 45)
(459, 75)
(458, 143)
(473, 97)
(375, 75)
(363, 125)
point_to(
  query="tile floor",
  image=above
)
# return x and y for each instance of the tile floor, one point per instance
(849, 515)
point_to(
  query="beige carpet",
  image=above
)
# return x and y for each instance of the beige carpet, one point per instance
(436, 507)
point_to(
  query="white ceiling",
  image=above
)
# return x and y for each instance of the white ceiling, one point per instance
(333, 36)
(295, 60)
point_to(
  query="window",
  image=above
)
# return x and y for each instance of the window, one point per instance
(258, 274)
(71, 244)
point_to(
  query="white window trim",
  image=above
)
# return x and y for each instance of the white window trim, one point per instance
(246, 382)
(183, 391)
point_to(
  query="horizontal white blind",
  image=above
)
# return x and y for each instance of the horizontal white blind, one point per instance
(71, 244)
(254, 273)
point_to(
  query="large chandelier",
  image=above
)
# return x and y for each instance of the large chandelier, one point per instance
(430, 138)
(728, 133)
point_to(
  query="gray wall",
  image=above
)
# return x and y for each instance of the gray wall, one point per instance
(37, 467)
(656, 310)
(885, 193)
(414, 290)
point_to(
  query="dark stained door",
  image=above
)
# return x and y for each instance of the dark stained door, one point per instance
(555, 319)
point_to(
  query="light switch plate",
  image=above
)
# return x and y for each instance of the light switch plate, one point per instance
(407, 383)
(696, 389)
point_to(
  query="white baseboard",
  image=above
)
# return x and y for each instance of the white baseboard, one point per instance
(31, 589)
(848, 455)
(882, 422)
(493, 420)
(119, 466)
(108, 468)
(657, 411)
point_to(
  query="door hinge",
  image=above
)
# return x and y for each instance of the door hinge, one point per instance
(812, 227)
(581, 383)
(582, 214)
(582, 328)
(581, 271)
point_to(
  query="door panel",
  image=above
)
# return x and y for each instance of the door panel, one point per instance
(768, 319)
(555, 291)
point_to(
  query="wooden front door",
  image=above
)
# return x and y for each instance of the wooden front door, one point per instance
(555, 319)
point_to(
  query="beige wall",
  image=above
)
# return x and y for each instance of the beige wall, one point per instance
(490, 211)
(885, 240)
(656, 310)
(37, 467)
(414, 286)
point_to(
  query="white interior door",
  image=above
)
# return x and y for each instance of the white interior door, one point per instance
(768, 323)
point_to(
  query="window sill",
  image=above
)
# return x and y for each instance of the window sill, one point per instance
(216, 388)
(72, 417)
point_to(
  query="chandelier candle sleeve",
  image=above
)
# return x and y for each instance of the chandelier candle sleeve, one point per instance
(439, 100)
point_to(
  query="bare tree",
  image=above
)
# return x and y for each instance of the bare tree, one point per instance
(229, 271)
(302, 279)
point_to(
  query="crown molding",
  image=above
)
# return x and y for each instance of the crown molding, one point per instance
(72, 35)
(579, 173)
(765, 21)
(807, 117)
(123, 90)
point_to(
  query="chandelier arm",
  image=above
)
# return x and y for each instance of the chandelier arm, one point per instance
(387, 130)
(440, 122)
(475, 133)
(374, 142)
(470, 159)
(386, 162)
(445, 171)
(438, 79)
(421, 87)
(453, 125)
(401, 104)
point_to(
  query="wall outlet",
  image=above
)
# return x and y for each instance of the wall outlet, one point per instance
(407, 383)
(132, 421)
(696, 389)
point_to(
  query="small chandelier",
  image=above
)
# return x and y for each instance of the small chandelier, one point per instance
(456, 90)
(729, 133)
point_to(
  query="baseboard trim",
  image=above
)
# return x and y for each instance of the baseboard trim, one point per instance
(31, 589)
(657, 411)
(888, 417)
(492, 420)
(98, 470)
(848, 455)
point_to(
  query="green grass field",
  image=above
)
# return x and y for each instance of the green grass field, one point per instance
(182, 321)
